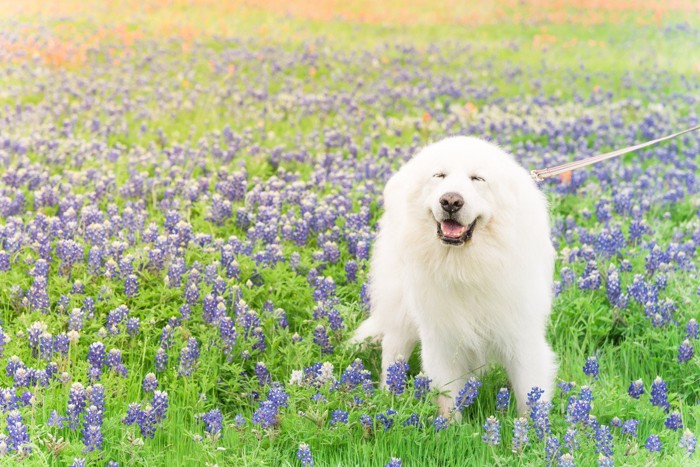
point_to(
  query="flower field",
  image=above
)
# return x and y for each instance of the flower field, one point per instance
(189, 193)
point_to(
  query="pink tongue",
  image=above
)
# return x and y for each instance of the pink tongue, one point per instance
(452, 229)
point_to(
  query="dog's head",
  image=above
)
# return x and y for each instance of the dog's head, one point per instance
(456, 188)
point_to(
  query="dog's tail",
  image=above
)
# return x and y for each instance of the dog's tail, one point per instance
(369, 329)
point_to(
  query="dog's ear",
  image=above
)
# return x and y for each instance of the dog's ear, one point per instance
(398, 186)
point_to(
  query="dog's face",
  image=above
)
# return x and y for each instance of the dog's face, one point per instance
(459, 184)
(458, 197)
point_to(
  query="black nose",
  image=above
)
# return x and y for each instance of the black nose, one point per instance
(451, 202)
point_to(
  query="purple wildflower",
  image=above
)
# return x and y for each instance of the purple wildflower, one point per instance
(440, 423)
(321, 339)
(502, 399)
(653, 443)
(520, 427)
(396, 376)
(686, 351)
(591, 367)
(492, 433)
(18, 436)
(161, 360)
(150, 383)
(688, 442)
(629, 427)
(304, 454)
(659, 397)
(213, 422)
(421, 385)
(467, 395)
(188, 357)
(674, 421)
(636, 389)
(92, 430)
(604, 441)
(339, 416)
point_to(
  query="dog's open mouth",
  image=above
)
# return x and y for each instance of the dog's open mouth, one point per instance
(452, 232)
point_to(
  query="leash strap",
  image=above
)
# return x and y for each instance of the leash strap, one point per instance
(541, 174)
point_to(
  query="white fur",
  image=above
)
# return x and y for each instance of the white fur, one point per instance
(484, 301)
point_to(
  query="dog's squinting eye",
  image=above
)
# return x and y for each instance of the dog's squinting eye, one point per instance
(476, 178)
(439, 175)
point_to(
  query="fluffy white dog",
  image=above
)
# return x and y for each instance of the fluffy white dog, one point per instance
(463, 262)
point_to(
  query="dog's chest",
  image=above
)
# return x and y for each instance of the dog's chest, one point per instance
(459, 317)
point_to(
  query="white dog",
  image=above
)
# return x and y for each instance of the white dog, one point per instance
(463, 262)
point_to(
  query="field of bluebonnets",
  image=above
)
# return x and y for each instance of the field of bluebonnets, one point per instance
(188, 198)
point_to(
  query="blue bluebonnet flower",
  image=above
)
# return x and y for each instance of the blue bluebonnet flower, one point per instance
(321, 339)
(396, 376)
(659, 397)
(78, 462)
(77, 399)
(570, 439)
(552, 449)
(260, 344)
(150, 382)
(55, 420)
(688, 442)
(131, 286)
(674, 421)
(492, 431)
(566, 460)
(604, 441)
(691, 329)
(304, 454)
(653, 443)
(188, 357)
(161, 360)
(339, 416)
(239, 420)
(17, 434)
(502, 399)
(278, 396)
(440, 423)
(266, 414)
(132, 414)
(351, 271)
(393, 462)
(686, 351)
(367, 422)
(520, 440)
(96, 396)
(636, 389)
(228, 335)
(114, 362)
(97, 359)
(467, 395)
(591, 367)
(605, 461)
(539, 412)
(92, 429)
(629, 427)
(160, 405)
(421, 385)
(387, 418)
(213, 422)
(578, 409)
(146, 420)
(262, 374)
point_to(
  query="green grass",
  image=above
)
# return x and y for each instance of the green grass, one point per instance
(582, 323)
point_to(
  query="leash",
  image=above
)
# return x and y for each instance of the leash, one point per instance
(541, 174)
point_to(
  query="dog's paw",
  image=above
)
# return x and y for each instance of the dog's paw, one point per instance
(446, 409)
